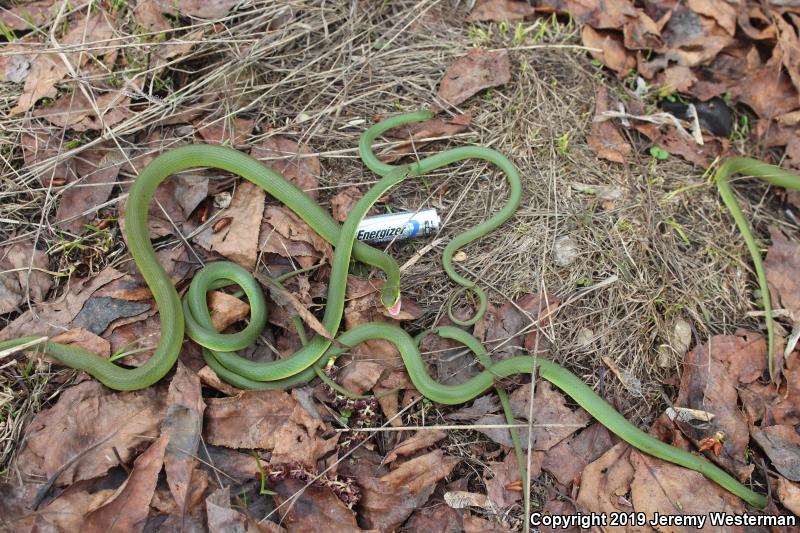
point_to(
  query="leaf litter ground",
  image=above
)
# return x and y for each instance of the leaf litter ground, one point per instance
(614, 267)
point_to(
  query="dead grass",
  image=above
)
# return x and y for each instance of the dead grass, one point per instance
(664, 251)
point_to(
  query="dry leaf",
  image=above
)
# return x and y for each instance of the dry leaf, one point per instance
(413, 135)
(478, 70)
(28, 16)
(500, 477)
(389, 500)
(422, 439)
(128, 509)
(49, 69)
(789, 494)
(223, 519)
(475, 524)
(270, 420)
(719, 10)
(342, 203)
(605, 138)
(612, 52)
(782, 446)
(148, 15)
(16, 281)
(182, 425)
(39, 149)
(73, 110)
(553, 420)
(286, 234)
(98, 168)
(204, 9)
(691, 39)
(603, 14)
(87, 422)
(85, 340)
(296, 162)
(360, 376)
(313, 509)
(239, 241)
(226, 132)
(567, 459)
(438, 518)
(226, 310)
(500, 10)
(768, 91)
(712, 373)
(782, 265)
(507, 331)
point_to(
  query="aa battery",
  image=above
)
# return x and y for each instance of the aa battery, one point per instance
(382, 228)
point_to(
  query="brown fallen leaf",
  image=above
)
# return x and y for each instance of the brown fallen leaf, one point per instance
(28, 16)
(270, 420)
(605, 138)
(768, 91)
(414, 134)
(239, 240)
(468, 75)
(568, 458)
(712, 373)
(203, 9)
(343, 202)
(148, 15)
(85, 340)
(691, 39)
(782, 406)
(182, 425)
(719, 10)
(782, 446)
(40, 149)
(296, 162)
(438, 518)
(211, 379)
(98, 168)
(173, 202)
(553, 421)
(54, 317)
(661, 487)
(75, 111)
(507, 331)
(390, 499)
(229, 133)
(500, 10)
(675, 79)
(128, 509)
(782, 265)
(559, 507)
(602, 14)
(47, 69)
(788, 47)
(789, 494)
(88, 421)
(501, 479)
(16, 281)
(226, 309)
(476, 524)
(286, 234)
(422, 439)
(222, 518)
(313, 509)
(360, 376)
(607, 48)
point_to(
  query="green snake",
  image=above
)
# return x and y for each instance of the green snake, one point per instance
(775, 176)
(191, 316)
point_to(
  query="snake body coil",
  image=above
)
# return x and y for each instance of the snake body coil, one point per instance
(192, 315)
